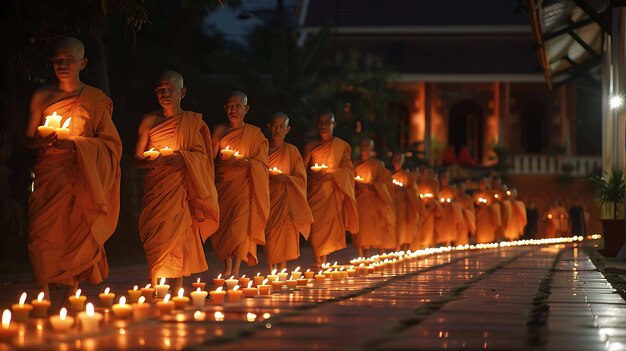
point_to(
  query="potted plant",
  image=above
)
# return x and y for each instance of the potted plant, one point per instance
(610, 191)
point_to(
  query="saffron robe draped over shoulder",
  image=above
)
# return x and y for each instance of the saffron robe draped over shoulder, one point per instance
(449, 224)
(516, 224)
(74, 207)
(180, 209)
(375, 206)
(429, 212)
(488, 217)
(243, 195)
(332, 201)
(469, 216)
(407, 204)
(290, 214)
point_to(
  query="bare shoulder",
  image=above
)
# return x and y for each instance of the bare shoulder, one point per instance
(219, 131)
(42, 95)
(147, 121)
(311, 144)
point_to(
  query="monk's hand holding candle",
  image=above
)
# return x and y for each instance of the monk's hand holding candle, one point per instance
(174, 160)
(39, 141)
(279, 178)
(65, 144)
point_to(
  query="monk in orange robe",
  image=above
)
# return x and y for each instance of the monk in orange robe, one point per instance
(515, 227)
(469, 216)
(488, 213)
(242, 180)
(330, 190)
(290, 214)
(557, 220)
(499, 193)
(74, 207)
(180, 209)
(373, 201)
(448, 225)
(428, 189)
(407, 204)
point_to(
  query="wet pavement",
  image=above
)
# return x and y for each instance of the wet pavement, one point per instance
(548, 297)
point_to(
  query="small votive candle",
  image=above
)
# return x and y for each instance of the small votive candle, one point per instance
(62, 322)
(166, 306)
(8, 331)
(181, 301)
(234, 295)
(151, 154)
(77, 302)
(250, 291)
(219, 281)
(282, 275)
(264, 288)
(106, 297)
(140, 309)
(166, 151)
(302, 281)
(40, 306)
(21, 310)
(90, 319)
(198, 284)
(134, 294)
(258, 279)
(217, 296)
(238, 156)
(296, 274)
(243, 280)
(277, 286)
(45, 130)
(198, 297)
(292, 283)
(273, 276)
(161, 289)
(351, 272)
(309, 274)
(121, 309)
(148, 292)
(319, 277)
(64, 131)
(231, 282)
(227, 153)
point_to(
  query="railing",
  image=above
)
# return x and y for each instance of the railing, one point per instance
(541, 164)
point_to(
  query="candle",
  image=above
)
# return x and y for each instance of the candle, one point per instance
(231, 282)
(217, 296)
(21, 310)
(219, 316)
(40, 306)
(318, 168)
(64, 132)
(121, 309)
(292, 283)
(227, 153)
(275, 171)
(250, 291)
(166, 151)
(147, 292)
(309, 274)
(166, 306)
(45, 129)
(243, 280)
(296, 274)
(361, 270)
(282, 275)
(133, 295)
(426, 196)
(238, 156)
(277, 285)
(198, 284)
(264, 288)
(151, 154)
(8, 331)
(234, 295)
(54, 120)
(258, 279)
(335, 275)
(351, 272)
(273, 276)
(90, 319)
(106, 297)
(219, 281)
(303, 281)
(181, 301)
(161, 289)
(198, 297)
(319, 277)
(343, 274)
(140, 309)
(358, 179)
(62, 322)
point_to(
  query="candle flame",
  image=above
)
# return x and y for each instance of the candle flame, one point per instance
(167, 297)
(319, 273)
(181, 292)
(219, 316)
(148, 286)
(47, 121)
(135, 287)
(166, 148)
(243, 276)
(219, 288)
(123, 300)
(198, 280)
(162, 281)
(78, 293)
(90, 310)
(40, 296)
(258, 274)
(308, 269)
(236, 287)
(283, 270)
(291, 277)
(265, 281)
(63, 313)
(107, 290)
(219, 276)
(6, 319)
(249, 284)
(274, 271)
(66, 124)
(198, 290)
(231, 277)
(152, 149)
(141, 300)
(236, 153)
(22, 299)
(227, 147)
(297, 269)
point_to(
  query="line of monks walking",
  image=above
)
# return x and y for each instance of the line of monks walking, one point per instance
(230, 185)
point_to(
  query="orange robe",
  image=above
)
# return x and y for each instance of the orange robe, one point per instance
(557, 220)
(375, 206)
(332, 201)
(243, 194)
(429, 212)
(390, 240)
(180, 209)
(506, 211)
(517, 222)
(75, 205)
(469, 216)
(448, 225)
(488, 218)
(407, 208)
(289, 211)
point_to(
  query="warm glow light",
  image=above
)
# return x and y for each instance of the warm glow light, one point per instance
(78, 293)
(181, 292)
(258, 274)
(67, 123)
(283, 270)
(220, 288)
(6, 319)
(162, 281)
(250, 284)
(107, 290)
(148, 286)
(250, 317)
(219, 276)
(243, 276)
(141, 300)
(22, 299)
(274, 271)
(40, 296)
(265, 281)
(616, 101)
(135, 287)
(90, 310)
(123, 300)
(236, 287)
(198, 281)
(63, 313)
(167, 297)
(219, 316)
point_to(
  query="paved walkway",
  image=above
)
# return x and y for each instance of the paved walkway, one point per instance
(515, 298)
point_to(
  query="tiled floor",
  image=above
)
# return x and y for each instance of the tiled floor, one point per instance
(546, 298)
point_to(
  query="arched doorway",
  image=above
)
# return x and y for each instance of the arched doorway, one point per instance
(534, 117)
(465, 128)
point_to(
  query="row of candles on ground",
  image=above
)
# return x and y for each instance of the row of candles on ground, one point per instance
(53, 124)
(138, 304)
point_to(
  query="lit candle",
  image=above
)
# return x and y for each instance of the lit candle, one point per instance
(140, 309)
(309, 274)
(219, 281)
(351, 272)
(258, 279)
(318, 168)
(361, 270)
(151, 154)
(64, 131)
(335, 275)
(234, 295)
(397, 183)
(62, 322)
(161, 289)
(219, 316)
(231, 282)
(21, 310)
(45, 129)
(264, 288)
(198, 297)
(343, 274)
(358, 179)
(147, 292)
(296, 274)
(271, 277)
(291, 283)
(166, 151)
(122, 309)
(275, 171)
(250, 291)
(282, 275)
(181, 301)
(106, 297)
(303, 281)
(40, 306)
(238, 156)
(90, 319)
(198, 284)
(166, 306)
(227, 153)
(217, 296)
(243, 280)
(8, 331)
(54, 120)
(133, 295)
(277, 286)
(320, 277)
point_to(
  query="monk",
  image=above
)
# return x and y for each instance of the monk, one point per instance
(448, 225)
(557, 221)
(488, 213)
(407, 204)
(290, 214)
(75, 204)
(469, 216)
(330, 190)
(374, 203)
(430, 211)
(242, 180)
(517, 222)
(180, 210)
(499, 192)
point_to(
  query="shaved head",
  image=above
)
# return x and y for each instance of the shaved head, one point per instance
(70, 44)
(239, 94)
(279, 115)
(326, 113)
(171, 76)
